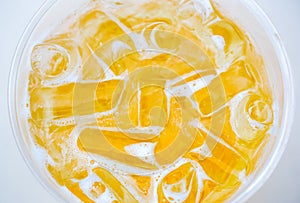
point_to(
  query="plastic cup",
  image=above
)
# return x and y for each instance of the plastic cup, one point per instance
(245, 13)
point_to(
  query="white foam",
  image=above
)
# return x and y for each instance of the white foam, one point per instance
(118, 46)
(143, 151)
(242, 176)
(189, 88)
(219, 41)
(204, 8)
(87, 184)
(151, 130)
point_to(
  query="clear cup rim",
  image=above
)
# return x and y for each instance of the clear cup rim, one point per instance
(287, 115)
(288, 106)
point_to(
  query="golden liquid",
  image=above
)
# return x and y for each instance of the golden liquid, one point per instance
(149, 101)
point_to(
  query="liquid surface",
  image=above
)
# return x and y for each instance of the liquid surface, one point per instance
(148, 101)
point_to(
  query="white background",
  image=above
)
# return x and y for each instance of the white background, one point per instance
(17, 184)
